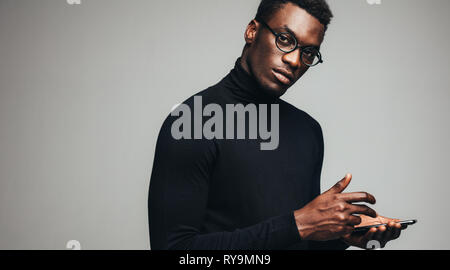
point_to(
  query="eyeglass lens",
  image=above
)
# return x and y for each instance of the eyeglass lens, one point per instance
(287, 43)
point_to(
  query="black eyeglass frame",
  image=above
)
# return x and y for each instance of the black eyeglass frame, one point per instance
(302, 48)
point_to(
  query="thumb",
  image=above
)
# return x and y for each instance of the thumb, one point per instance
(341, 185)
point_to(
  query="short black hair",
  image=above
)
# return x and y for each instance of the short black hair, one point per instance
(317, 8)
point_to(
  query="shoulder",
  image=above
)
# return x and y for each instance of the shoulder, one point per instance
(177, 135)
(301, 117)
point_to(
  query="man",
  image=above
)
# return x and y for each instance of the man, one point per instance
(228, 193)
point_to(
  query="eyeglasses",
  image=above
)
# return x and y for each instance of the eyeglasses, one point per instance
(286, 42)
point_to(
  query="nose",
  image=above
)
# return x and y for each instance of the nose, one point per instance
(293, 59)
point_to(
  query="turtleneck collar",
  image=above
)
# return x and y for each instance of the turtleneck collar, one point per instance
(245, 88)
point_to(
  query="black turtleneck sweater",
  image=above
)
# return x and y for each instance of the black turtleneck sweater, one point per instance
(227, 193)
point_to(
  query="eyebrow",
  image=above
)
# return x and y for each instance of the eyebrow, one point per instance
(289, 30)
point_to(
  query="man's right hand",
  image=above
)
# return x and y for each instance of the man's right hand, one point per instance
(331, 214)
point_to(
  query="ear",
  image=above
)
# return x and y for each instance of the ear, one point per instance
(250, 32)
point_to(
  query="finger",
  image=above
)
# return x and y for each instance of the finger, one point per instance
(389, 233)
(387, 236)
(396, 233)
(354, 220)
(397, 229)
(370, 233)
(378, 235)
(362, 209)
(390, 225)
(358, 197)
(348, 229)
(341, 185)
(369, 236)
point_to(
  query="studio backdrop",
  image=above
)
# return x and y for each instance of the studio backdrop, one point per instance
(85, 86)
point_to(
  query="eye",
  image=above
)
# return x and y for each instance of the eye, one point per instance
(310, 52)
(283, 38)
(286, 39)
(310, 56)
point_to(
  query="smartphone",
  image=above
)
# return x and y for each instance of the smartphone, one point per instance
(403, 222)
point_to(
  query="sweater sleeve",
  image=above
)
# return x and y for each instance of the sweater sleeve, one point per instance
(332, 244)
(178, 198)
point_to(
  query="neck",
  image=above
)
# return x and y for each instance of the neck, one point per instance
(244, 62)
(244, 85)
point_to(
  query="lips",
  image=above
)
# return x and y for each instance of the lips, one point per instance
(283, 76)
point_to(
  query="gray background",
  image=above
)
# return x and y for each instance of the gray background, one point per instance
(85, 88)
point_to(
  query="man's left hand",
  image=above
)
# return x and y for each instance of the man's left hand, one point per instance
(382, 234)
